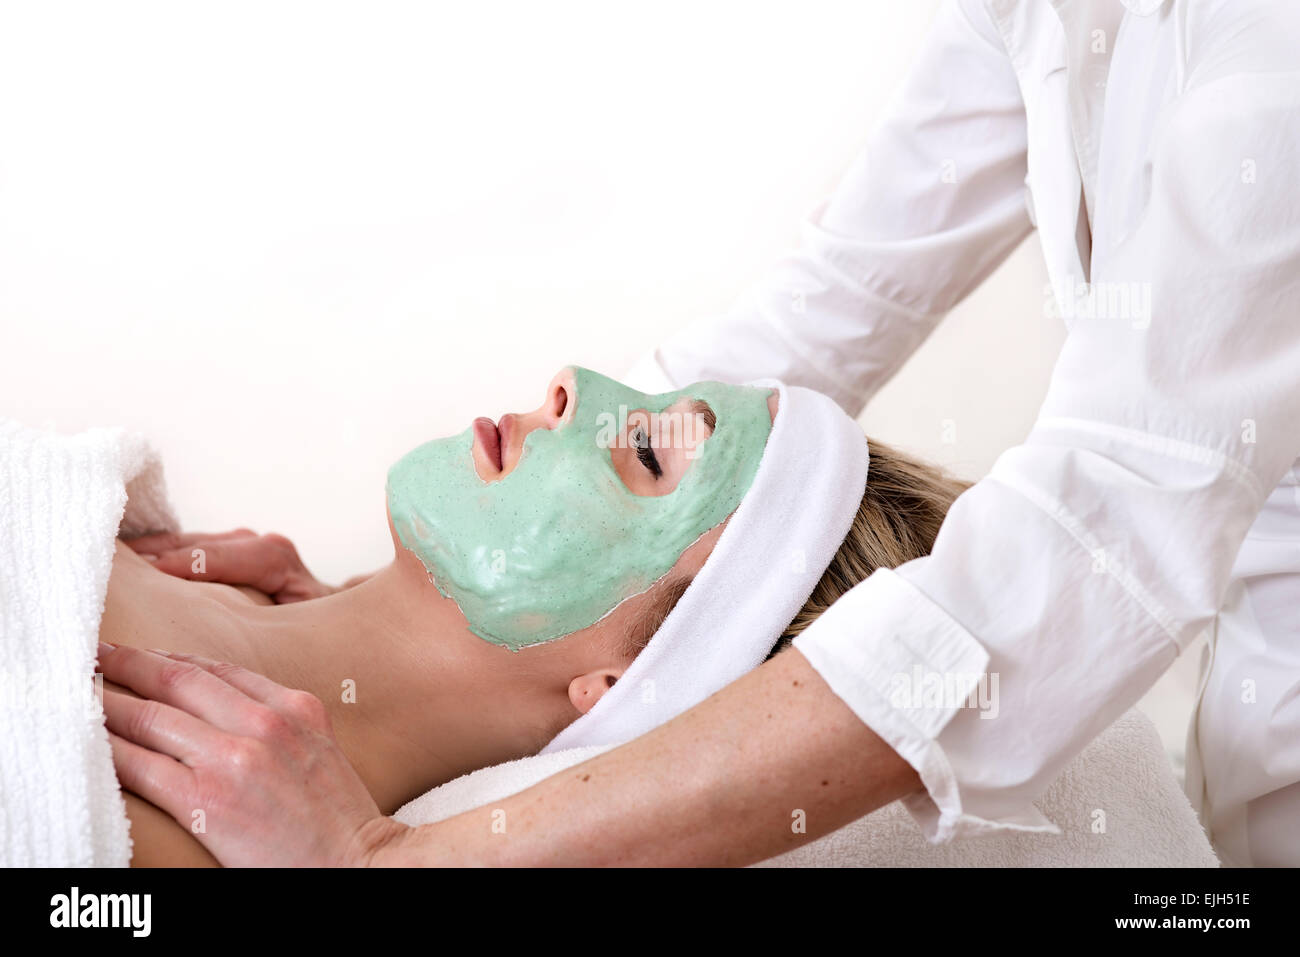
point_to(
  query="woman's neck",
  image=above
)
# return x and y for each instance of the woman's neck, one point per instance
(405, 683)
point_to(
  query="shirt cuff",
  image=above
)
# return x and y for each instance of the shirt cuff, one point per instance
(905, 668)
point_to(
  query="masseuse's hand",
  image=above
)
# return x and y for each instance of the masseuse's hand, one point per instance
(259, 760)
(269, 563)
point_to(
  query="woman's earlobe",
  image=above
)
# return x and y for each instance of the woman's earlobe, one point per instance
(586, 690)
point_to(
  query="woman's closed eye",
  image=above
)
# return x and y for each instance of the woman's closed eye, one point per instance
(656, 449)
(645, 454)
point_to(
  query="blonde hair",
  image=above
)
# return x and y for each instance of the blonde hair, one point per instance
(904, 504)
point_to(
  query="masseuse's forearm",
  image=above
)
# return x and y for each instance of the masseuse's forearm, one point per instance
(726, 783)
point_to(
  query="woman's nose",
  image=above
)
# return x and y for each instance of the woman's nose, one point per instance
(557, 407)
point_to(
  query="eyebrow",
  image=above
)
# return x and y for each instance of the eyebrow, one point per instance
(700, 407)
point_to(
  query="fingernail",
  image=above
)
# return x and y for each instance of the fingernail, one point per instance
(105, 647)
(149, 558)
(161, 651)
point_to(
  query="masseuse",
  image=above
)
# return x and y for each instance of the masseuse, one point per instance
(1155, 146)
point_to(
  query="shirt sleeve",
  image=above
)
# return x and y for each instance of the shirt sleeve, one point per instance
(932, 204)
(1065, 582)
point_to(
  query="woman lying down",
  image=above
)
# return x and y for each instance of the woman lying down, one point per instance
(571, 576)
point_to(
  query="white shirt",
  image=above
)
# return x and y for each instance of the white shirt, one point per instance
(1156, 146)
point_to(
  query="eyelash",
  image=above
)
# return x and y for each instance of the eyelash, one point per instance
(645, 455)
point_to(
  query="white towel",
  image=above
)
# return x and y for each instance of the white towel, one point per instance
(62, 501)
(1117, 805)
(775, 548)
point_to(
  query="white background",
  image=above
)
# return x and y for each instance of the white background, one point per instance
(290, 241)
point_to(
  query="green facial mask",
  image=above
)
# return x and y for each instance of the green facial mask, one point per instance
(557, 543)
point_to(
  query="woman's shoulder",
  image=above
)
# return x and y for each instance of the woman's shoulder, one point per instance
(128, 565)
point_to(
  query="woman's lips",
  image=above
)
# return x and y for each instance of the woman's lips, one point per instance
(489, 439)
(505, 429)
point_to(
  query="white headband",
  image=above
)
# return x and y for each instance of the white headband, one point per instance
(776, 546)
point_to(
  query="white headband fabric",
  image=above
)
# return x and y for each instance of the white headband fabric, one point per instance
(774, 549)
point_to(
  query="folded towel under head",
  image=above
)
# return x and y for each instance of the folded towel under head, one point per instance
(775, 547)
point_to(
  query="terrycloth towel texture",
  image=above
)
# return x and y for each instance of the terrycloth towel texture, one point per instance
(62, 502)
(774, 549)
(1117, 805)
